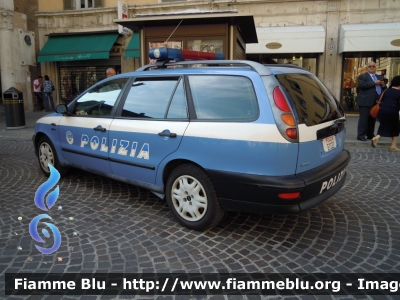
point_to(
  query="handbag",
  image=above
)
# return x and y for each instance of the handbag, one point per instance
(375, 109)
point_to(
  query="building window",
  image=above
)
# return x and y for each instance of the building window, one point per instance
(82, 4)
(318, 101)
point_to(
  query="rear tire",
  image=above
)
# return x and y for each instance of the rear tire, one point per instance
(192, 198)
(48, 155)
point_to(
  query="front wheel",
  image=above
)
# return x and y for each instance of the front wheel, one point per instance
(47, 155)
(192, 198)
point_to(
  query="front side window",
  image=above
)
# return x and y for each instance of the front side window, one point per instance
(156, 98)
(223, 98)
(100, 100)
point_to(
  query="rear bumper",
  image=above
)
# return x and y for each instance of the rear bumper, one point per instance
(259, 194)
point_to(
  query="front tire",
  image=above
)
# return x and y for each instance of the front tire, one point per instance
(192, 198)
(47, 155)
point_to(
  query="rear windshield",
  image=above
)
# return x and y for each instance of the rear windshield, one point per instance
(312, 101)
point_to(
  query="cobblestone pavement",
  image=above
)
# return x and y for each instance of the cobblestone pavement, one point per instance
(122, 228)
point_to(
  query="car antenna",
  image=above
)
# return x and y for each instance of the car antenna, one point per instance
(165, 43)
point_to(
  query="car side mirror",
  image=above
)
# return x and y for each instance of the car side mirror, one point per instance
(62, 109)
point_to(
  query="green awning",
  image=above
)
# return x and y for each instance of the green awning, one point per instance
(133, 49)
(77, 47)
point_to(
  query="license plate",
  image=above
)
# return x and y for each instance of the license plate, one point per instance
(329, 143)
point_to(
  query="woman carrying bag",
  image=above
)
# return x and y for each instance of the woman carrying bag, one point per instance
(389, 115)
(48, 93)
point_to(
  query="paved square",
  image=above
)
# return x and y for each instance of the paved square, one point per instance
(108, 226)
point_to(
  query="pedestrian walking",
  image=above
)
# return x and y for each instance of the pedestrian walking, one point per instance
(48, 93)
(389, 115)
(370, 88)
(38, 91)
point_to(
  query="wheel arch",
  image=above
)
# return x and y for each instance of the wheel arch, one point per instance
(170, 166)
(56, 163)
(38, 136)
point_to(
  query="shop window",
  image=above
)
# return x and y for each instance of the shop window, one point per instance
(355, 64)
(307, 61)
(213, 46)
(74, 80)
(169, 44)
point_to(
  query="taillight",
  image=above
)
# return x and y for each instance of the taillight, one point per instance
(280, 100)
(289, 126)
(288, 119)
(292, 133)
(289, 196)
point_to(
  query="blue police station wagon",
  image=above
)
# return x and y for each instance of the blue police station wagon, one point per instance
(209, 136)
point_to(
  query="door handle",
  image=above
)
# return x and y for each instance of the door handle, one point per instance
(99, 128)
(167, 133)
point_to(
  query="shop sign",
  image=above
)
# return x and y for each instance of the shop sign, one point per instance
(122, 14)
(395, 43)
(273, 45)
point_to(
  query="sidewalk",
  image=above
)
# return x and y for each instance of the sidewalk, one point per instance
(31, 117)
(351, 134)
(24, 133)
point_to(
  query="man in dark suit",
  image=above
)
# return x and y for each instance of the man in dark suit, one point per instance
(370, 88)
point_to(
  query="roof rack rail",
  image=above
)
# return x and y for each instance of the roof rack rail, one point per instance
(257, 67)
(285, 65)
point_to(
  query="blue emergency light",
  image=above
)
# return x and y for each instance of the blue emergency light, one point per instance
(179, 54)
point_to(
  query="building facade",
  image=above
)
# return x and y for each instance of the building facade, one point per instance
(332, 38)
(17, 49)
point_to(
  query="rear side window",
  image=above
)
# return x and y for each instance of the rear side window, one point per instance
(218, 97)
(312, 100)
